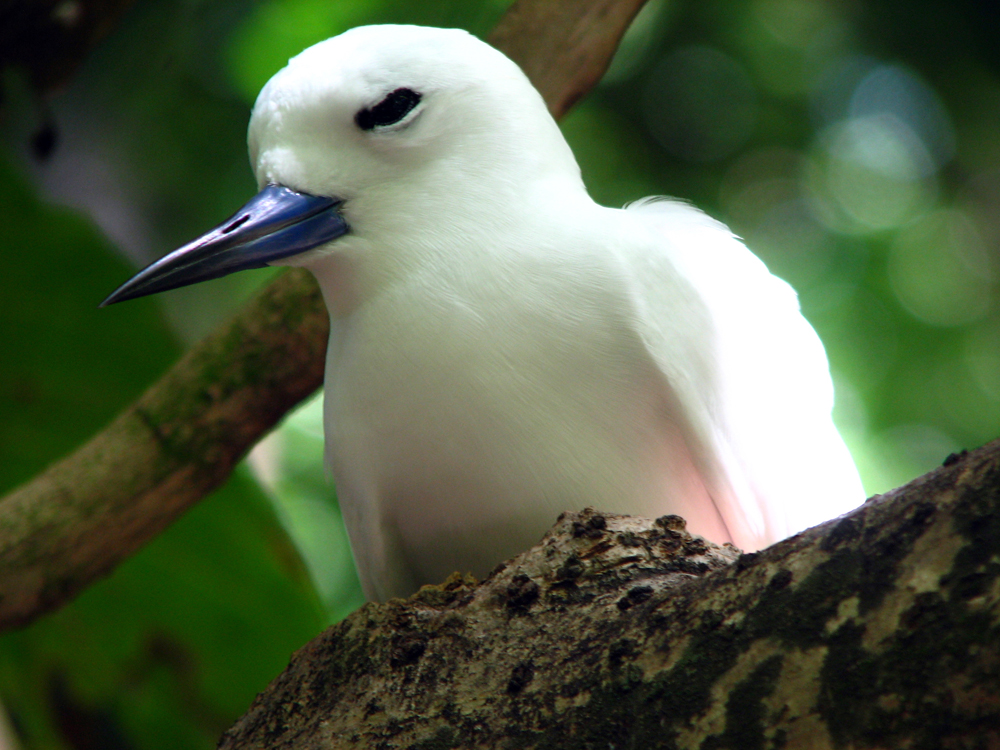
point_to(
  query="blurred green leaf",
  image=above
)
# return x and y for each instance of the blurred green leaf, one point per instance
(277, 30)
(290, 465)
(68, 366)
(170, 649)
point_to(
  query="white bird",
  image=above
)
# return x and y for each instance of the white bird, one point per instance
(502, 348)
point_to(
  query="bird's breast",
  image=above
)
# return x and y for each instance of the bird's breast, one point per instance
(462, 418)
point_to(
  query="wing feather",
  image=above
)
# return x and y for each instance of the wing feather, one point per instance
(763, 405)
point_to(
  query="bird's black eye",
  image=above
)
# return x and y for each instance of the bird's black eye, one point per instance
(389, 111)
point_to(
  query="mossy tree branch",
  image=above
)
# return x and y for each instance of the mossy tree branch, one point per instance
(876, 630)
(182, 438)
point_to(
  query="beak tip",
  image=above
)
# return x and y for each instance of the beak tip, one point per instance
(276, 223)
(115, 296)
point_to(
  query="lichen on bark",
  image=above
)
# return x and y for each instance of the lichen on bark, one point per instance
(876, 630)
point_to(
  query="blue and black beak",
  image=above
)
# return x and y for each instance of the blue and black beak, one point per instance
(276, 223)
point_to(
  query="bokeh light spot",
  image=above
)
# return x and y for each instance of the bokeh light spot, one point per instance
(792, 244)
(794, 23)
(982, 357)
(893, 91)
(940, 270)
(867, 175)
(699, 104)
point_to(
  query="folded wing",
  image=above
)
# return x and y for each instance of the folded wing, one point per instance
(774, 461)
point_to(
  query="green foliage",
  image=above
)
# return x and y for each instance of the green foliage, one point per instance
(68, 367)
(277, 30)
(847, 147)
(290, 463)
(171, 648)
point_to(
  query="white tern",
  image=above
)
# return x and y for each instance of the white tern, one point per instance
(502, 348)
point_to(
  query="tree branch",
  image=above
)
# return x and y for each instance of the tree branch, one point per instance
(87, 513)
(875, 630)
(180, 440)
(563, 47)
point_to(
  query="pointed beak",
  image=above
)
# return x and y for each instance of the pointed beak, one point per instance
(276, 223)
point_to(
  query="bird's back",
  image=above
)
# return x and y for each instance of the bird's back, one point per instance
(641, 361)
(763, 404)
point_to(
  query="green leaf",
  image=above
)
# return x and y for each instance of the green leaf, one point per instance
(171, 648)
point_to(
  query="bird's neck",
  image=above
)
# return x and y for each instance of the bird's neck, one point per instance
(439, 235)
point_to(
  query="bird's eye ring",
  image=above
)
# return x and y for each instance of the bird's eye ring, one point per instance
(396, 105)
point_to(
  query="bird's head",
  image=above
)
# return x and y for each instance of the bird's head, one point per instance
(375, 134)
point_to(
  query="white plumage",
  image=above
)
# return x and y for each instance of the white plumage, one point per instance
(503, 348)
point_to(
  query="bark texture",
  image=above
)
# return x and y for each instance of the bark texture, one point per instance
(880, 629)
(563, 47)
(87, 513)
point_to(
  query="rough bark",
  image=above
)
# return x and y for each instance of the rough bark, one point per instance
(93, 509)
(880, 629)
(181, 439)
(564, 48)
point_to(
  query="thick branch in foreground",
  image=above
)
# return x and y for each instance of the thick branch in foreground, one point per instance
(90, 511)
(876, 630)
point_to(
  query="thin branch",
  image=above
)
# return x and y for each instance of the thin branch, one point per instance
(875, 630)
(87, 513)
(180, 440)
(564, 48)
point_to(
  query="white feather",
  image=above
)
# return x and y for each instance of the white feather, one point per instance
(503, 349)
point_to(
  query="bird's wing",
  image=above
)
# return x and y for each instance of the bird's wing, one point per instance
(765, 394)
